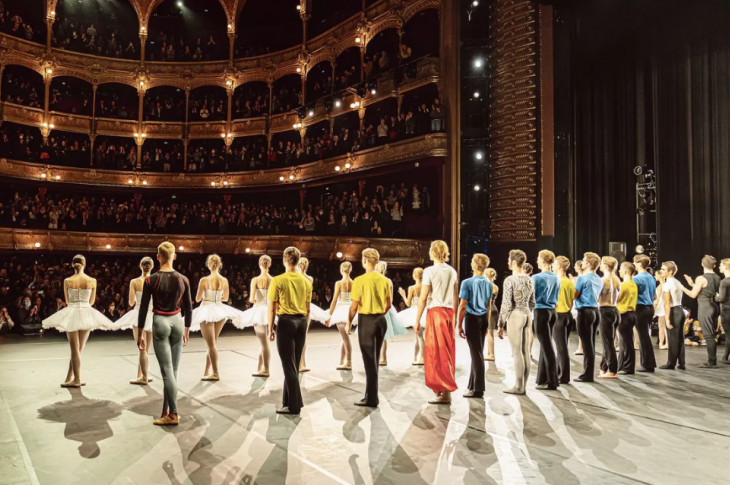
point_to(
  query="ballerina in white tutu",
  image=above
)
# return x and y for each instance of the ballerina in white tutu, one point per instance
(257, 315)
(315, 312)
(408, 316)
(78, 319)
(130, 319)
(395, 329)
(213, 313)
(339, 311)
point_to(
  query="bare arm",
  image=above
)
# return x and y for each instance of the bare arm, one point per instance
(668, 310)
(409, 299)
(460, 317)
(65, 290)
(201, 290)
(353, 311)
(226, 291)
(92, 298)
(273, 306)
(699, 284)
(422, 301)
(388, 303)
(132, 294)
(456, 297)
(335, 296)
(252, 293)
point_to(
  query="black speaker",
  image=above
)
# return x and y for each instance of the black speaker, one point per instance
(617, 250)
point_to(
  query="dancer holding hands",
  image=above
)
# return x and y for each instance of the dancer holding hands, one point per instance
(408, 316)
(339, 311)
(256, 316)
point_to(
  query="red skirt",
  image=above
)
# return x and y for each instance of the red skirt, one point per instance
(440, 353)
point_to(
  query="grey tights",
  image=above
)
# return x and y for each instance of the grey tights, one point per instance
(518, 331)
(168, 338)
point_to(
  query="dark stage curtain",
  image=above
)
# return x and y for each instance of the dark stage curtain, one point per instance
(652, 87)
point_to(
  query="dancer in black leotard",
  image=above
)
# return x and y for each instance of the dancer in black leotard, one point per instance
(704, 288)
(724, 300)
(169, 292)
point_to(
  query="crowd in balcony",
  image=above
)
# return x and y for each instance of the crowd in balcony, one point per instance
(100, 38)
(378, 212)
(12, 23)
(251, 102)
(208, 105)
(19, 89)
(31, 288)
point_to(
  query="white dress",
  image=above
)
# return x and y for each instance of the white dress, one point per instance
(130, 318)
(258, 313)
(212, 309)
(407, 317)
(78, 315)
(342, 310)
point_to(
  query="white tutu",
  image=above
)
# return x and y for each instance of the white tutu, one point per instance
(316, 314)
(211, 312)
(341, 314)
(407, 318)
(77, 316)
(395, 329)
(130, 319)
(256, 315)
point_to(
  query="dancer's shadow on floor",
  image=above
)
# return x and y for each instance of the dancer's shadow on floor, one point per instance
(86, 420)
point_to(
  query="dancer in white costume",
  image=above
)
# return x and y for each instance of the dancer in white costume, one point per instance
(213, 313)
(78, 319)
(339, 311)
(129, 320)
(395, 329)
(491, 275)
(257, 317)
(408, 316)
(315, 312)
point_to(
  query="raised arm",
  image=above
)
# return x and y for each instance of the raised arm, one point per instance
(699, 283)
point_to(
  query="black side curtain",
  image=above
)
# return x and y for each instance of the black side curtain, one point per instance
(653, 90)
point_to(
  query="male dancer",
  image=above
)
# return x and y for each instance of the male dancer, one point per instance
(704, 289)
(171, 303)
(547, 290)
(646, 285)
(588, 287)
(371, 300)
(609, 317)
(565, 317)
(672, 301)
(290, 295)
(440, 291)
(724, 300)
(475, 306)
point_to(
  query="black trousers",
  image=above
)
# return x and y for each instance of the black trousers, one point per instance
(588, 320)
(644, 316)
(626, 352)
(675, 338)
(707, 313)
(610, 319)
(725, 319)
(291, 333)
(547, 366)
(560, 337)
(371, 331)
(475, 328)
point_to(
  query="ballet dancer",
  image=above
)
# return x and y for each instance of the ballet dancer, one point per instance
(547, 292)
(172, 306)
(371, 300)
(213, 313)
(672, 297)
(394, 328)
(78, 319)
(290, 296)
(626, 306)
(588, 288)
(315, 312)
(578, 268)
(475, 307)
(518, 302)
(257, 315)
(407, 316)
(129, 320)
(723, 298)
(646, 284)
(440, 293)
(491, 275)
(339, 311)
(659, 311)
(564, 308)
(704, 289)
(609, 317)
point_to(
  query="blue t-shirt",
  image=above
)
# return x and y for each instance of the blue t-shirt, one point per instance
(547, 289)
(646, 285)
(589, 285)
(477, 291)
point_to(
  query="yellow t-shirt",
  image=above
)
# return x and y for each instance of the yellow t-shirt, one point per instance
(628, 297)
(292, 291)
(371, 290)
(566, 295)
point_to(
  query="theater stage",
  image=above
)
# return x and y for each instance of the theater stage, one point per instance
(665, 428)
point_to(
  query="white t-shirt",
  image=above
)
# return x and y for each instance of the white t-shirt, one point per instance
(441, 278)
(674, 288)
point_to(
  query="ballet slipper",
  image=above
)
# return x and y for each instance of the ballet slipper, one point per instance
(578, 352)
(382, 363)
(514, 391)
(607, 375)
(489, 358)
(344, 367)
(663, 347)
(140, 381)
(167, 421)
(415, 362)
(210, 377)
(72, 385)
(261, 374)
(304, 369)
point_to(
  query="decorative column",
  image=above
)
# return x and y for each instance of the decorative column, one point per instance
(94, 87)
(231, 40)
(142, 42)
(302, 194)
(46, 126)
(92, 139)
(186, 128)
(361, 113)
(399, 99)
(2, 70)
(139, 136)
(333, 63)
(186, 142)
(305, 16)
(50, 19)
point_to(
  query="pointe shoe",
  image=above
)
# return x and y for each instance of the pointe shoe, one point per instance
(578, 352)
(383, 363)
(607, 375)
(514, 391)
(210, 377)
(344, 367)
(261, 374)
(489, 358)
(167, 421)
(304, 369)
(72, 385)
(415, 362)
(140, 382)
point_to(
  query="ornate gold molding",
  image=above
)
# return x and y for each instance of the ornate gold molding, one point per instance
(413, 149)
(397, 252)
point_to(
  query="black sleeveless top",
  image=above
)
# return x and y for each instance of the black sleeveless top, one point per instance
(713, 286)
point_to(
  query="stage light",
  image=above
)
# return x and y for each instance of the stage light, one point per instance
(337, 168)
(291, 177)
(639, 249)
(477, 188)
(108, 246)
(299, 7)
(43, 175)
(339, 255)
(37, 245)
(338, 103)
(358, 40)
(212, 184)
(181, 248)
(373, 90)
(347, 165)
(281, 179)
(476, 94)
(58, 177)
(225, 183)
(475, 3)
(179, 4)
(478, 63)
(311, 112)
(248, 250)
(299, 69)
(130, 181)
(479, 155)
(144, 182)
